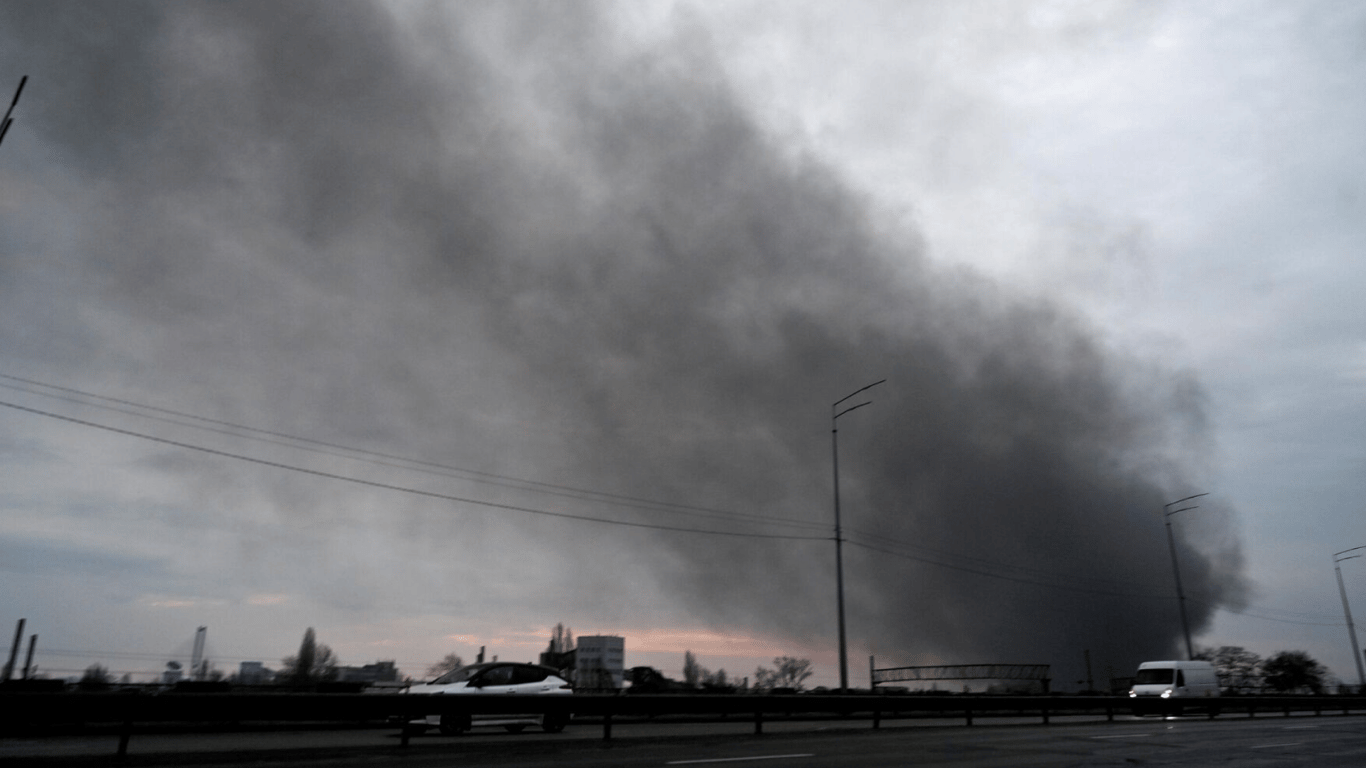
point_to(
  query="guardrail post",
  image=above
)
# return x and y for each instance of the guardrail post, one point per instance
(967, 712)
(1045, 714)
(1109, 713)
(607, 727)
(124, 735)
(877, 719)
(758, 722)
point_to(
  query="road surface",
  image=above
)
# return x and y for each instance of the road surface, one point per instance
(1320, 742)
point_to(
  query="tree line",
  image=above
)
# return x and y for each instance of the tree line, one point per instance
(1241, 671)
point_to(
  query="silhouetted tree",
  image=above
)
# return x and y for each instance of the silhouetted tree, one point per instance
(789, 673)
(314, 662)
(1291, 671)
(1239, 670)
(718, 682)
(693, 673)
(450, 663)
(561, 639)
(96, 676)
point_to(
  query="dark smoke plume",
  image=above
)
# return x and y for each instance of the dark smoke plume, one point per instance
(583, 259)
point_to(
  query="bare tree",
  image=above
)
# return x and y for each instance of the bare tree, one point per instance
(96, 676)
(789, 673)
(1239, 669)
(314, 662)
(1292, 671)
(561, 639)
(449, 663)
(693, 673)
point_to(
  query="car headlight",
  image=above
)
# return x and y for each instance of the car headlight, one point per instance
(1133, 693)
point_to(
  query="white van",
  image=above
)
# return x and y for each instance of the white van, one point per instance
(1167, 687)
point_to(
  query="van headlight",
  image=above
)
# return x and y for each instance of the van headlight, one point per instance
(1133, 693)
(1167, 694)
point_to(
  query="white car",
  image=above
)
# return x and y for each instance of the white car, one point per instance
(492, 678)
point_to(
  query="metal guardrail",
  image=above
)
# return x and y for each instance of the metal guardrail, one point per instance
(128, 710)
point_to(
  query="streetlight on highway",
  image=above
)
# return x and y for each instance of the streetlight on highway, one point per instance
(1347, 611)
(835, 413)
(1167, 513)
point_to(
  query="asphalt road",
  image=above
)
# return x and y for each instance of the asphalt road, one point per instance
(1323, 742)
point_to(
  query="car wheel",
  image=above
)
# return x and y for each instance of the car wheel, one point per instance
(515, 728)
(554, 723)
(454, 725)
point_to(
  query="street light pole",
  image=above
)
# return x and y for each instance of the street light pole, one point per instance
(1171, 542)
(835, 413)
(1347, 611)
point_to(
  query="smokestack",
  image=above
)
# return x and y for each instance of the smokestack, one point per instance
(14, 649)
(28, 660)
(197, 658)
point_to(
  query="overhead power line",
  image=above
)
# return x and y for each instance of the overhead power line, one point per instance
(391, 486)
(978, 566)
(1003, 577)
(389, 460)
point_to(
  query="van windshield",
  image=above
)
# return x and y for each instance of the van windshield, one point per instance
(1160, 676)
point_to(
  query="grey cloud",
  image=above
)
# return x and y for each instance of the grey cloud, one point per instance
(310, 225)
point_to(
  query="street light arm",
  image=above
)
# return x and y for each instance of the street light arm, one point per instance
(1183, 509)
(851, 394)
(1188, 498)
(1345, 551)
(851, 408)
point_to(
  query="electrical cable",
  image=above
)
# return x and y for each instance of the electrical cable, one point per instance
(391, 486)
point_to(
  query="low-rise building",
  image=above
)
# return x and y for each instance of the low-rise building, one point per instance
(599, 662)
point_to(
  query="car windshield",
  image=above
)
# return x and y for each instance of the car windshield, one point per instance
(1153, 677)
(461, 675)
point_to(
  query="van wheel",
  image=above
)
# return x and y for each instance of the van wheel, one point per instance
(515, 728)
(554, 723)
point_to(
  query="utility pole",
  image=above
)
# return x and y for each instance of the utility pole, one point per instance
(4, 124)
(835, 413)
(1347, 611)
(1171, 542)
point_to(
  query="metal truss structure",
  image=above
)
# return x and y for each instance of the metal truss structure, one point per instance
(1039, 672)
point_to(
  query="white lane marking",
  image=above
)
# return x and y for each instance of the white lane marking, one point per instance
(1299, 727)
(1273, 746)
(738, 759)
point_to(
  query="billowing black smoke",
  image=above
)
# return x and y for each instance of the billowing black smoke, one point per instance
(341, 223)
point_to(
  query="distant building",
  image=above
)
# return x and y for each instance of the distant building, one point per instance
(599, 662)
(254, 673)
(379, 672)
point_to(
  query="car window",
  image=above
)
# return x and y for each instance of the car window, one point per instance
(460, 675)
(529, 674)
(496, 676)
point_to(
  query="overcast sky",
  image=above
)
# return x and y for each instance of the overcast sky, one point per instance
(432, 325)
